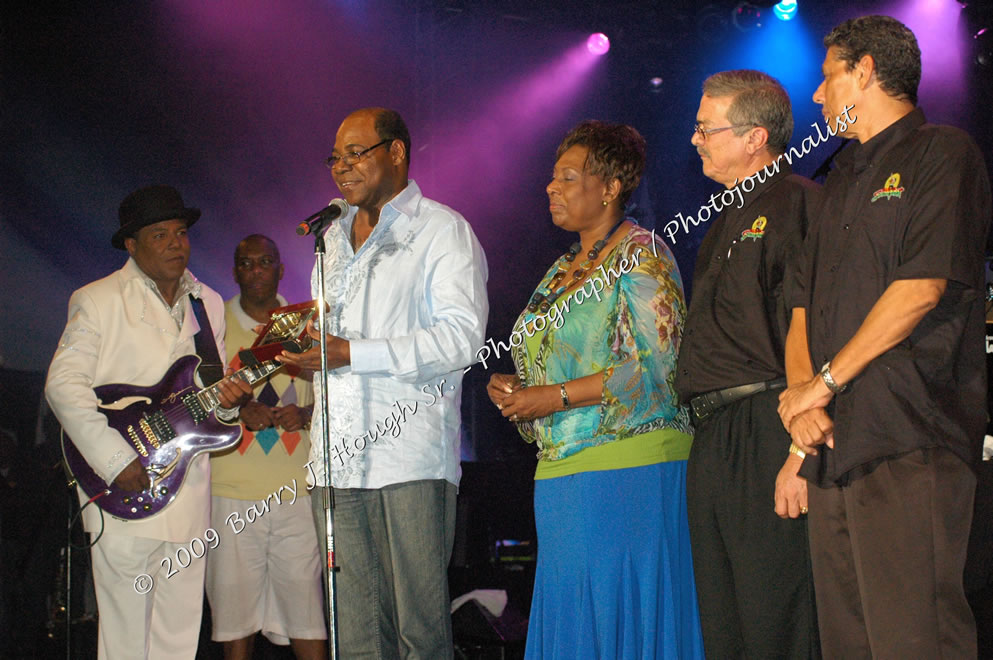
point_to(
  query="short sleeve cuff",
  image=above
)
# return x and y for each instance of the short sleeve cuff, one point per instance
(369, 355)
(916, 271)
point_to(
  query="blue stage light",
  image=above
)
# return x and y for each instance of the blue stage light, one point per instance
(785, 10)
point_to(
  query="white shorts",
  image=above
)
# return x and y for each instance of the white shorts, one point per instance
(267, 577)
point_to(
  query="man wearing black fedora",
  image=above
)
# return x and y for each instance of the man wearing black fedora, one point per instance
(130, 327)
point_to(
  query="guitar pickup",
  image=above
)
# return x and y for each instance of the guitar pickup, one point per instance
(146, 428)
(197, 412)
(157, 428)
(136, 441)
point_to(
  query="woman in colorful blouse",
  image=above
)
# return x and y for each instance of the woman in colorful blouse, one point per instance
(595, 353)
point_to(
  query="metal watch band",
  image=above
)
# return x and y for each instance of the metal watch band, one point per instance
(829, 379)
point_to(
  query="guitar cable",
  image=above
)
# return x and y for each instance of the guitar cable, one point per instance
(79, 513)
(71, 483)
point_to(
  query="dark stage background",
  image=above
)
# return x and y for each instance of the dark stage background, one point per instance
(235, 102)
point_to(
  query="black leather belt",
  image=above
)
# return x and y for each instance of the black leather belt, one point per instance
(707, 404)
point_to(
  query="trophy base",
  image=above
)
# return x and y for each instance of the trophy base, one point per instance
(285, 331)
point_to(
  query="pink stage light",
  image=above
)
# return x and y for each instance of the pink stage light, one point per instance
(942, 42)
(598, 43)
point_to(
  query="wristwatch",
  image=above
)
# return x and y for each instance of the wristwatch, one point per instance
(829, 379)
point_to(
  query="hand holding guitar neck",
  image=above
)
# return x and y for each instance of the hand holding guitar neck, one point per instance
(233, 390)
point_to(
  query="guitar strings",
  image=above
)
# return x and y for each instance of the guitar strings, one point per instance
(179, 411)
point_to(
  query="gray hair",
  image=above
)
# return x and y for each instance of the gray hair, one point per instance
(759, 100)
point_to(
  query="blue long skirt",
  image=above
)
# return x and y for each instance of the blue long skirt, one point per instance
(614, 578)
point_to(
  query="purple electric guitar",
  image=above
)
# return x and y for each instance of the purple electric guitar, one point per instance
(168, 424)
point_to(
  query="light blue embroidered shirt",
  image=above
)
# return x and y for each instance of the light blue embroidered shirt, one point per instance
(412, 303)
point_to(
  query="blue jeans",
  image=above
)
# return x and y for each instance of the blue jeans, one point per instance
(392, 545)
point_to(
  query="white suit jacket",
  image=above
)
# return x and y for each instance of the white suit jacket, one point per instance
(120, 331)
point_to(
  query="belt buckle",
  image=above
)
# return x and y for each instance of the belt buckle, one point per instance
(700, 412)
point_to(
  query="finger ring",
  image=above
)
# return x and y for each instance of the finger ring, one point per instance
(513, 418)
(499, 407)
(804, 510)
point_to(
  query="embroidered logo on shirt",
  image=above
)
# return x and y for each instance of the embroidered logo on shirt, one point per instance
(891, 189)
(757, 230)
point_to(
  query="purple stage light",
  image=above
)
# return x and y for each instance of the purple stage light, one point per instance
(598, 43)
(942, 43)
(507, 121)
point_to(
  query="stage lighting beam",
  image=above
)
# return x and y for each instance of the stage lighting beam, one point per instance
(785, 10)
(598, 43)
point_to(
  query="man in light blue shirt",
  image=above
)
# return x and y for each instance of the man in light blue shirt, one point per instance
(405, 279)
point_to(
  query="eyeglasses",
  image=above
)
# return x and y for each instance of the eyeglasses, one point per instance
(352, 157)
(704, 132)
(266, 262)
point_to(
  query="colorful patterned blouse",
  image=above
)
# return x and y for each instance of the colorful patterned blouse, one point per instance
(625, 321)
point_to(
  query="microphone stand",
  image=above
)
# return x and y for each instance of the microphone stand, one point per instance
(327, 491)
(68, 576)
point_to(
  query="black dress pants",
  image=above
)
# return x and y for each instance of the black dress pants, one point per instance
(752, 568)
(888, 554)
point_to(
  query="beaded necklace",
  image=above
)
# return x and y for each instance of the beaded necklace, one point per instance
(546, 295)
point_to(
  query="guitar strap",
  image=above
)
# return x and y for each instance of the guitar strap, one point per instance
(211, 368)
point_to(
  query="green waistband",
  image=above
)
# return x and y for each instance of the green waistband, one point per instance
(646, 449)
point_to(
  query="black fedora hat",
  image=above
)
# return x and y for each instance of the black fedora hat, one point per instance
(149, 205)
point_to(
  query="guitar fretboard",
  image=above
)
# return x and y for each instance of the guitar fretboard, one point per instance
(209, 397)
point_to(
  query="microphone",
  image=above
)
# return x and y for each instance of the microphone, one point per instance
(318, 221)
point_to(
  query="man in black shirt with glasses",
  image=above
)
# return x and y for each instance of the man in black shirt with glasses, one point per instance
(751, 566)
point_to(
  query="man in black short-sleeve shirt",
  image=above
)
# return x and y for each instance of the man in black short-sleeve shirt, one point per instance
(891, 304)
(751, 567)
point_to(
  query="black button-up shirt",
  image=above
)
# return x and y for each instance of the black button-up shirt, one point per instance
(911, 203)
(736, 327)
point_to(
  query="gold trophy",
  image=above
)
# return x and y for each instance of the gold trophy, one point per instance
(285, 331)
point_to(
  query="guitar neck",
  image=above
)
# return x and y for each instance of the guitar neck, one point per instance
(209, 397)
